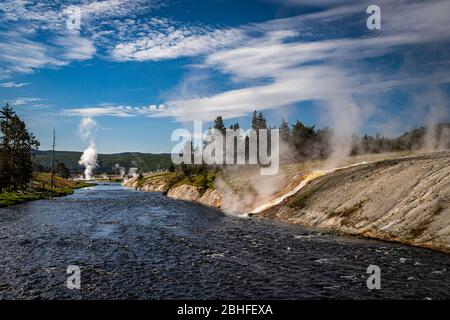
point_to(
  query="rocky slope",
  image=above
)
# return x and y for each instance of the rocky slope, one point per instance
(151, 183)
(161, 183)
(210, 198)
(405, 200)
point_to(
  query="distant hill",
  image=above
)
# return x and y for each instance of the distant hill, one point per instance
(146, 162)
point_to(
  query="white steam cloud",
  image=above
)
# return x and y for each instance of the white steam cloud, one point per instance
(89, 161)
(119, 169)
(89, 157)
(133, 172)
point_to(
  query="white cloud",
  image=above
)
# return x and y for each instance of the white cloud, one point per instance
(276, 66)
(41, 106)
(36, 35)
(21, 54)
(24, 101)
(173, 43)
(304, 3)
(74, 47)
(292, 70)
(13, 84)
(116, 111)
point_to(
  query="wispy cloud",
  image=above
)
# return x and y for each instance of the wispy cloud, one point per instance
(320, 70)
(13, 84)
(20, 53)
(116, 111)
(174, 43)
(276, 66)
(304, 3)
(35, 33)
(24, 101)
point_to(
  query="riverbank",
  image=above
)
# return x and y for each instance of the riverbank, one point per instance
(404, 200)
(40, 189)
(393, 197)
(191, 189)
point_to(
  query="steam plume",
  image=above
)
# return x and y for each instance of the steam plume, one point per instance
(133, 172)
(119, 169)
(436, 138)
(89, 157)
(89, 161)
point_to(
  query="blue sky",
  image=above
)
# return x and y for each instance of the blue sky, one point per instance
(141, 69)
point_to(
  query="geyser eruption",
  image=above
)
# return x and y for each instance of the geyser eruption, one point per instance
(89, 157)
(89, 161)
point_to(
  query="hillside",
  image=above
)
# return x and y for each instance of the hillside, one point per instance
(146, 162)
(405, 200)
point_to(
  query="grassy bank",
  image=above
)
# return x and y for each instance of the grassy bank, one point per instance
(163, 182)
(40, 189)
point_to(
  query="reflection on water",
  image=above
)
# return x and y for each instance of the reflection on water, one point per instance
(132, 244)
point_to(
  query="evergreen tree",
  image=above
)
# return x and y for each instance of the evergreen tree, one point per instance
(284, 130)
(255, 125)
(16, 151)
(62, 170)
(235, 126)
(184, 169)
(304, 140)
(258, 121)
(219, 125)
(261, 121)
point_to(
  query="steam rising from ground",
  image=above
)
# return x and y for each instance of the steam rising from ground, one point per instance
(345, 119)
(89, 161)
(133, 172)
(89, 157)
(119, 170)
(248, 188)
(434, 138)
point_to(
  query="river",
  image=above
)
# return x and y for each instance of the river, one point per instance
(131, 244)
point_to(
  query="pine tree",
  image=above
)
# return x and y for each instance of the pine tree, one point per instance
(284, 130)
(235, 126)
(184, 169)
(62, 170)
(5, 173)
(219, 125)
(262, 124)
(255, 124)
(16, 151)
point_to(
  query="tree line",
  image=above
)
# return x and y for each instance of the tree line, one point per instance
(302, 142)
(16, 151)
(60, 169)
(305, 142)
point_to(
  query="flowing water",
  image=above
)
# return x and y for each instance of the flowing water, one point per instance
(132, 244)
